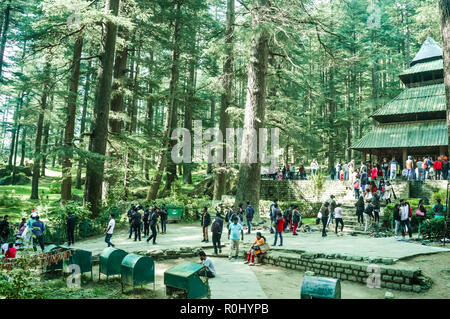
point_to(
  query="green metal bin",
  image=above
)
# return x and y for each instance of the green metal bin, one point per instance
(110, 261)
(137, 270)
(184, 276)
(54, 266)
(320, 288)
(174, 213)
(82, 258)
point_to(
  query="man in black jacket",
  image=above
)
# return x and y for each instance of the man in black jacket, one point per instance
(136, 222)
(70, 222)
(153, 220)
(217, 229)
(129, 215)
(4, 229)
(164, 216)
(205, 222)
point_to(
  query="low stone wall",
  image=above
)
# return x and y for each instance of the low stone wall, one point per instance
(392, 278)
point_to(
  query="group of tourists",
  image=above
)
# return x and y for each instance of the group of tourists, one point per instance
(29, 233)
(288, 172)
(330, 212)
(423, 168)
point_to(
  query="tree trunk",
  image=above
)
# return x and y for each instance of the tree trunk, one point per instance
(4, 35)
(444, 7)
(149, 116)
(87, 89)
(156, 182)
(22, 156)
(46, 137)
(95, 166)
(66, 186)
(38, 140)
(225, 102)
(248, 186)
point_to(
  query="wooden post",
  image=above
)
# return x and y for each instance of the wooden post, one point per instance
(442, 150)
(404, 156)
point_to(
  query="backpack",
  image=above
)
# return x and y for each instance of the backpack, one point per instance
(365, 179)
(215, 227)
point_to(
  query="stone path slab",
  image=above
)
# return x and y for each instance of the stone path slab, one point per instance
(234, 280)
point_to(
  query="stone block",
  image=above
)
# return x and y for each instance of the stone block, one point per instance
(392, 272)
(387, 261)
(406, 287)
(348, 271)
(343, 276)
(386, 277)
(407, 281)
(357, 258)
(282, 264)
(389, 285)
(408, 273)
(398, 279)
(352, 278)
(417, 288)
(395, 286)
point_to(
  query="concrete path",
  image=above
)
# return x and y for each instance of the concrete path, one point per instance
(190, 235)
(235, 280)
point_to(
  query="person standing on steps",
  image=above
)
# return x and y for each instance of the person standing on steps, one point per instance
(364, 180)
(376, 207)
(235, 232)
(324, 210)
(70, 225)
(360, 210)
(338, 217)
(153, 220)
(279, 222)
(110, 230)
(249, 214)
(164, 216)
(216, 230)
(393, 169)
(404, 216)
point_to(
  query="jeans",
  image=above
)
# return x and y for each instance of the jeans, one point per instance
(438, 174)
(406, 223)
(410, 174)
(330, 219)
(205, 232)
(206, 273)
(356, 193)
(339, 221)
(146, 228)
(324, 226)
(163, 225)
(137, 231)
(131, 230)
(40, 240)
(421, 176)
(278, 233)
(216, 241)
(272, 220)
(385, 173)
(393, 174)
(363, 188)
(445, 174)
(234, 248)
(397, 225)
(249, 225)
(377, 216)
(360, 217)
(108, 240)
(70, 236)
(346, 176)
(154, 233)
(294, 228)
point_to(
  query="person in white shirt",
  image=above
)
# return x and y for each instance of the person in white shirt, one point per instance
(110, 230)
(404, 218)
(314, 167)
(209, 270)
(338, 217)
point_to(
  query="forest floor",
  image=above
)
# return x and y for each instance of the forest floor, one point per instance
(434, 263)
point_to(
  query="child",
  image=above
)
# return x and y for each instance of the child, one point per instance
(11, 252)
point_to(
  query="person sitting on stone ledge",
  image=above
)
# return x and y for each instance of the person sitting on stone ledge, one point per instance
(256, 249)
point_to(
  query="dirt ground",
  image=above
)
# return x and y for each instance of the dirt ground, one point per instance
(277, 283)
(282, 283)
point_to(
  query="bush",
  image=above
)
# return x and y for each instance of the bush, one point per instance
(433, 228)
(442, 194)
(7, 199)
(20, 179)
(55, 187)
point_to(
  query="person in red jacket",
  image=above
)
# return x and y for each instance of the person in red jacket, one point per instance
(11, 252)
(438, 167)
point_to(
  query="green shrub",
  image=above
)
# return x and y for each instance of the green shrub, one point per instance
(55, 187)
(7, 199)
(433, 228)
(442, 194)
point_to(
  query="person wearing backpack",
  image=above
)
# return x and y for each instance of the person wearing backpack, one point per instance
(249, 214)
(364, 180)
(136, 222)
(296, 220)
(376, 207)
(216, 230)
(38, 229)
(205, 222)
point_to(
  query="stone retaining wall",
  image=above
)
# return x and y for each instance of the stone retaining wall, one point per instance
(391, 278)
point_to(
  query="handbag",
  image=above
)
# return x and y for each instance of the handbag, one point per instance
(419, 213)
(264, 248)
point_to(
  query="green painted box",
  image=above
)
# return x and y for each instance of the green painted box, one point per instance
(320, 288)
(82, 258)
(184, 276)
(54, 266)
(110, 261)
(174, 212)
(137, 270)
